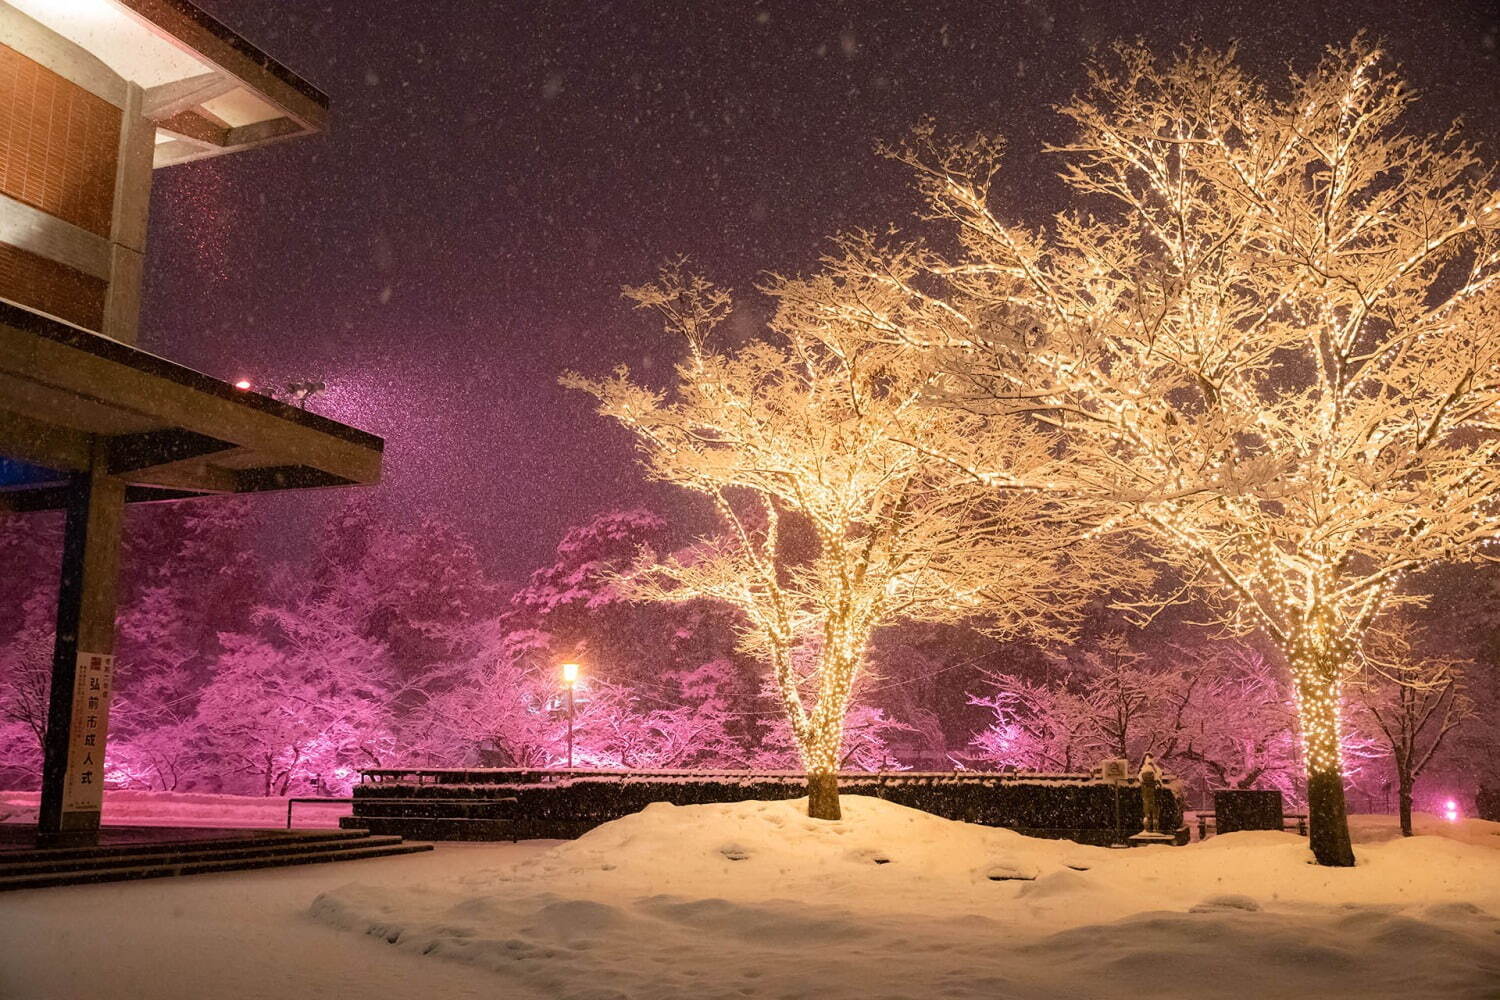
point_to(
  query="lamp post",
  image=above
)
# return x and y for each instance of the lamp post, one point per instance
(570, 681)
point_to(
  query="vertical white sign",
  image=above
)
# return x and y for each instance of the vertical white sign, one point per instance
(83, 788)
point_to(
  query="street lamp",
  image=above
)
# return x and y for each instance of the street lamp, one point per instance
(570, 681)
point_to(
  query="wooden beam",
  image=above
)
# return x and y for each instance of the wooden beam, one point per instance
(286, 477)
(194, 477)
(185, 149)
(260, 133)
(30, 440)
(152, 449)
(70, 364)
(169, 154)
(30, 501)
(58, 497)
(168, 99)
(134, 162)
(226, 416)
(193, 127)
(46, 235)
(199, 35)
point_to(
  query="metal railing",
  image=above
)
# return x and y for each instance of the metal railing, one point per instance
(1205, 820)
(539, 775)
(309, 798)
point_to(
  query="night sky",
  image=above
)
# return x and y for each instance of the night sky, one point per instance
(496, 170)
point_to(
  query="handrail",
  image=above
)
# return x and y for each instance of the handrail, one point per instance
(309, 798)
(1205, 818)
(529, 775)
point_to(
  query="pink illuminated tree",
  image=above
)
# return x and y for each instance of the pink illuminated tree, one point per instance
(25, 679)
(1411, 702)
(1216, 716)
(303, 702)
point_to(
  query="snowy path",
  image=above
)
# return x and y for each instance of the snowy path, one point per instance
(244, 936)
(754, 900)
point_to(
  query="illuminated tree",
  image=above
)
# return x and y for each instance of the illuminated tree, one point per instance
(25, 679)
(1267, 330)
(1226, 720)
(305, 700)
(821, 455)
(1037, 726)
(1413, 701)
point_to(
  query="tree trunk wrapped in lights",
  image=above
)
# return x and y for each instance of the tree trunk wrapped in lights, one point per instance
(1267, 333)
(825, 459)
(1319, 665)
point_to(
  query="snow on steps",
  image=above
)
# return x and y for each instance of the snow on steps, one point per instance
(45, 867)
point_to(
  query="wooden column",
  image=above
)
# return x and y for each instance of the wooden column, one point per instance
(127, 233)
(83, 659)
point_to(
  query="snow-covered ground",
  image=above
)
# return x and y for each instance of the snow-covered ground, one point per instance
(754, 900)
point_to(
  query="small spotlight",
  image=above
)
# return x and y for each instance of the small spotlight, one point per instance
(243, 383)
(1450, 811)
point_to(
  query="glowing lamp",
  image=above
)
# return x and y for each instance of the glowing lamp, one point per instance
(1450, 811)
(243, 383)
(570, 680)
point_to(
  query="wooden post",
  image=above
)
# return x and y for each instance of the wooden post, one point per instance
(127, 235)
(83, 658)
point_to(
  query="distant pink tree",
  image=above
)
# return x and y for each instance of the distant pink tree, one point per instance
(1215, 715)
(1410, 703)
(1035, 726)
(1225, 720)
(505, 705)
(30, 550)
(498, 710)
(682, 736)
(25, 678)
(301, 705)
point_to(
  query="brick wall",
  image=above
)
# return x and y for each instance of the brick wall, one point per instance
(50, 287)
(58, 146)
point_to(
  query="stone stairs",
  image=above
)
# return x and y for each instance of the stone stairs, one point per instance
(39, 867)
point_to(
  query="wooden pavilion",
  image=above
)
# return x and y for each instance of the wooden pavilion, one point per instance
(94, 96)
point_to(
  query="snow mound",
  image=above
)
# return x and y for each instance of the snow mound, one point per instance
(753, 899)
(876, 843)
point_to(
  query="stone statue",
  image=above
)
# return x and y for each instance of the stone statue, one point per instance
(1150, 776)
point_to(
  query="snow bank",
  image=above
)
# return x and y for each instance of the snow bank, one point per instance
(754, 899)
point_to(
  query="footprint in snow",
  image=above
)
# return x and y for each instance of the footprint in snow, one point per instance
(1223, 904)
(1005, 871)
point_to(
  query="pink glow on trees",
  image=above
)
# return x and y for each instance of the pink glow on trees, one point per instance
(505, 708)
(1216, 716)
(25, 676)
(1410, 702)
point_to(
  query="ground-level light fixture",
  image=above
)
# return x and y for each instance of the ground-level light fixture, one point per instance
(243, 383)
